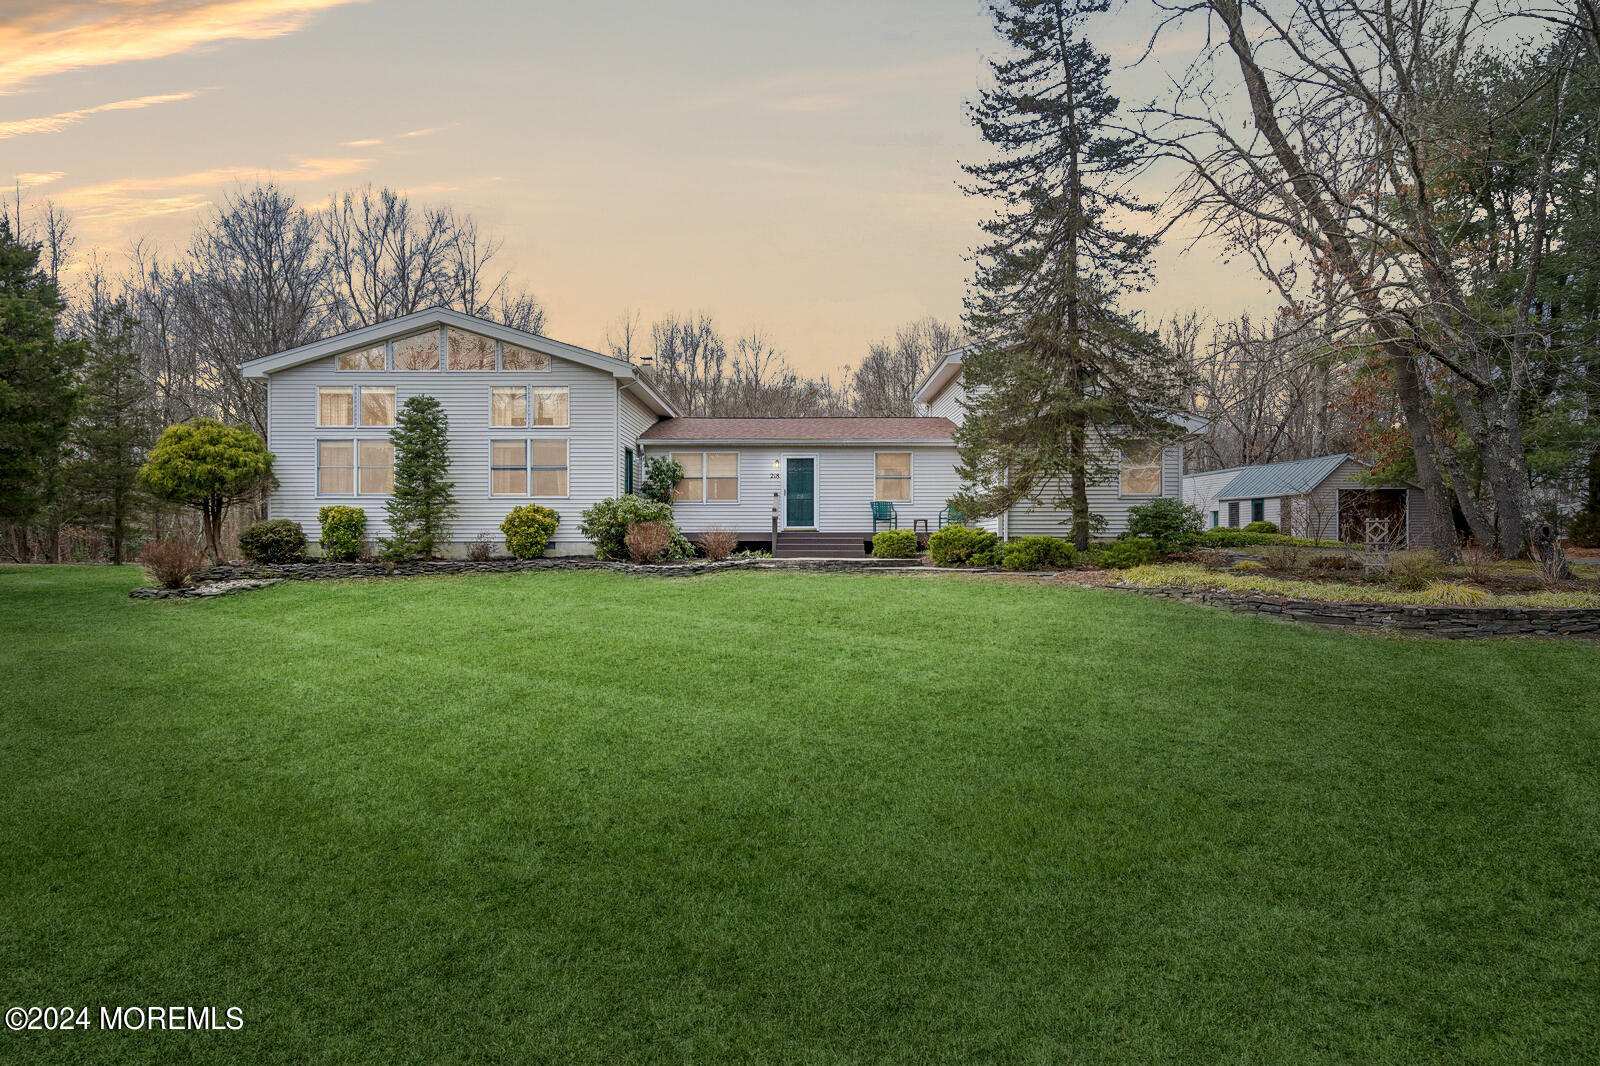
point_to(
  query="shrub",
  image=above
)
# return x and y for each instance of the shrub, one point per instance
(1479, 561)
(1413, 570)
(528, 529)
(661, 475)
(1238, 538)
(172, 563)
(277, 541)
(1261, 527)
(607, 522)
(1249, 564)
(964, 546)
(1286, 557)
(480, 549)
(1172, 524)
(1333, 561)
(1037, 553)
(1447, 592)
(423, 501)
(208, 466)
(1134, 551)
(894, 544)
(1211, 558)
(1584, 529)
(718, 542)
(647, 542)
(343, 532)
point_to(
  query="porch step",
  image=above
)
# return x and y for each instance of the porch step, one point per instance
(805, 544)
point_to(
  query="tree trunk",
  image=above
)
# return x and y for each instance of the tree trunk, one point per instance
(1080, 488)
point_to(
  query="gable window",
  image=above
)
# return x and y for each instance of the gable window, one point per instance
(711, 477)
(374, 358)
(892, 476)
(515, 358)
(528, 467)
(377, 405)
(469, 351)
(1233, 514)
(1258, 510)
(355, 467)
(420, 351)
(1141, 469)
(336, 406)
(508, 406)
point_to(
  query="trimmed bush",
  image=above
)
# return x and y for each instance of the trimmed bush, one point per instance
(718, 542)
(172, 563)
(1037, 553)
(1172, 524)
(607, 522)
(894, 544)
(528, 529)
(1224, 537)
(1261, 527)
(277, 541)
(964, 546)
(343, 531)
(1131, 552)
(647, 542)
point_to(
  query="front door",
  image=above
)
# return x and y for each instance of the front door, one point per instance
(800, 492)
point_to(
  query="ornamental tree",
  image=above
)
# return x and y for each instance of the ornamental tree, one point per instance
(424, 498)
(208, 466)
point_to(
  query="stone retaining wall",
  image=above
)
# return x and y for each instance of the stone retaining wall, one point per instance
(334, 571)
(1430, 621)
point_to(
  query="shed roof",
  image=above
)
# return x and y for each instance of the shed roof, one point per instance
(808, 430)
(1294, 478)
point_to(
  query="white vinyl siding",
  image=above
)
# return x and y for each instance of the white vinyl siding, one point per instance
(1105, 499)
(948, 403)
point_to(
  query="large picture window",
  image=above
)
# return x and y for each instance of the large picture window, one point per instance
(892, 477)
(528, 467)
(1141, 469)
(509, 406)
(708, 477)
(337, 405)
(355, 467)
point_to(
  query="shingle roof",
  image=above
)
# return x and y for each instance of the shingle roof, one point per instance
(1294, 478)
(783, 430)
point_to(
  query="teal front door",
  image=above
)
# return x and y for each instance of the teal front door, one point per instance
(800, 493)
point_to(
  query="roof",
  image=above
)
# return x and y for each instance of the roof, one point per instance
(625, 373)
(941, 375)
(804, 430)
(1294, 478)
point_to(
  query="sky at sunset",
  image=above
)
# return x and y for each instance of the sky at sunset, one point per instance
(786, 166)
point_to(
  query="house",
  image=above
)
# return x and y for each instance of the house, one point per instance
(1330, 497)
(535, 420)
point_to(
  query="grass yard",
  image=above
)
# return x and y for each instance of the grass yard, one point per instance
(582, 817)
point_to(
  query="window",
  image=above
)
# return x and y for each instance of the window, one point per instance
(1258, 510)
(377, 405)
(528, 467)
(514, 358)
(420, 351)
(375, 475)
(508, 406)
(627, 472)
(1141, 469)
(893, 477)
(1213, 520)
(376, 358)
(336, 406)
(550, 406)
(707, 477)
(469, 351)
(355, 467)
(1233, 515)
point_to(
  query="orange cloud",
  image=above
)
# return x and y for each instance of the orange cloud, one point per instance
(62, 119)
(72, 34)
(131, 199)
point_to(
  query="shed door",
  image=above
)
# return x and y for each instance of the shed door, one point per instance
(1373, 516)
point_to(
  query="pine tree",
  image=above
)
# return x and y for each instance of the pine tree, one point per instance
(113, 429)
(36, 380)
(1058, 376)
(423, 501)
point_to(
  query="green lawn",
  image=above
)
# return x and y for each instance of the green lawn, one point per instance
(583, 817)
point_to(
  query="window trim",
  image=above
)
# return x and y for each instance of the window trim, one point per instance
(529, 405)
(444, 356)
(1161, 475)
(388, 358)
(1258, 509)
(354, 468)
(704, 477)
(355, 406)
(438, 339)
(528, 468)
(1233, 514)
(361, 421)
(910, 477)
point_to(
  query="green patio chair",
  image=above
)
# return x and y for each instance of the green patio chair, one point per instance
(883, 511)
(947, 517)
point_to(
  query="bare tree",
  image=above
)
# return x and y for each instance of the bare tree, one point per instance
(886, 379)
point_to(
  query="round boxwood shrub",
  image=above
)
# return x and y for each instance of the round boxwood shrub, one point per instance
(343, 529)
(1134, 551)
(607, 522)
(1261, 527)
(277, 541)
(1037, 553)
(963, 546)
(528, 529)
(894, 544)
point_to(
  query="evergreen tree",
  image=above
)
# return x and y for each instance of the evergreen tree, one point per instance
(112, 431)
(1058, 376)
(36, 380)
(208, 466)
(424, 500)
